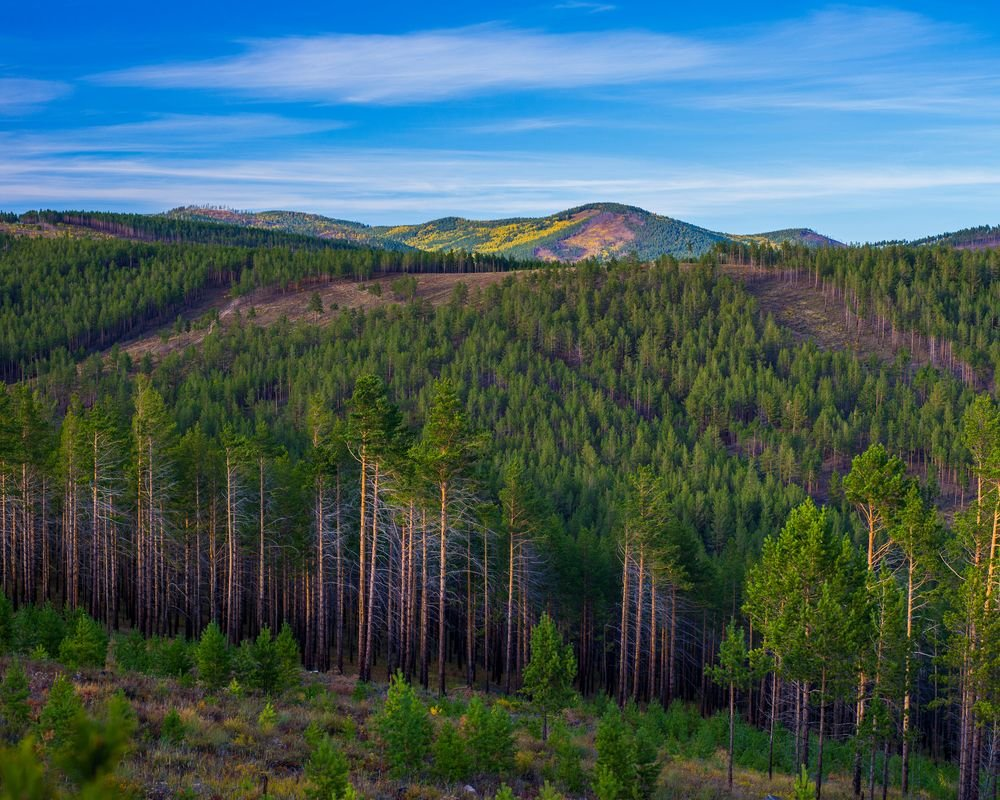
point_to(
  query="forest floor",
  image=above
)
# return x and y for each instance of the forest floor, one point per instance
(225, 750)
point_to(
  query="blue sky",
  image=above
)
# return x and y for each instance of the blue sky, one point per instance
(864, 122)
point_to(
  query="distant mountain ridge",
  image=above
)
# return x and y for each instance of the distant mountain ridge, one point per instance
(595, 230)
(982, 237)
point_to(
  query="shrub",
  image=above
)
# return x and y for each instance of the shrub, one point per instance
(289, 659)
(504, 793)
(131, 653)
(85, 646)
(62, 707)
(96, 746)
(14, 709)
(32, 627)
(267, 664)
(6, 625)
(548, 792)
(616, 755)
(802, 788)
(606, 786)
(172, 729)
(173, 658)
(566, 759)
(404, 727)
(212, 658)
(327, 772)
(449, 756)
(267, 718)
(490, 738)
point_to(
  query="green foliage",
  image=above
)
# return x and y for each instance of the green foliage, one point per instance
(267, 718)
(450, 759)
(267, 664)
(548, 792)
(504, 793)
(15, 712)
(567, 755)
(802, 788)
(616, 757)
(38, 625)
(6, 624)
(23, 775)
(85, 646)
(490, 737)
(131, 653)
(172, 729)
(55, 723)
(548, 677)
(404, 727)
(606, 785)
(172, 658)
(212, 658)
(327, 772)
(95, 748)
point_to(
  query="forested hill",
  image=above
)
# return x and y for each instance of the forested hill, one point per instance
(596, 230)
(978, 238)
(635, 448)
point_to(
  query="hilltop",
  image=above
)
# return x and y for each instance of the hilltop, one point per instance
(982, 237)
(595, 230)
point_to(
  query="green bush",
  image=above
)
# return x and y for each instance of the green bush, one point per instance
(6, 625)
(85, 646)
(15, 713)
(404, 726)
(606, 786)
(566, 768)
(548, 792)
(33, 627)
(490, 738)
(289, 659)
(267, 664)
(327, 772)
(616, 756)
(55, 723)
(213, 658)
(504, 793)
(267, 718)
(131, 653)
(172, 729)
(449, 757)
(95, 747)
(173, 658)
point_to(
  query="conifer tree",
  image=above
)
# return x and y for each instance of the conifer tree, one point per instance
(548, 677)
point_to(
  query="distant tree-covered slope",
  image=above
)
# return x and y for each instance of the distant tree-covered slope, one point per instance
(156, 228)
(806, 236)
(314, 225)
(595, 230)
(982, 237)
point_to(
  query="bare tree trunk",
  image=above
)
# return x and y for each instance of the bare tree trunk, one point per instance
(441, 586)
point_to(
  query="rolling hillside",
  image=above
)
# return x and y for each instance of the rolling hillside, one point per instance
(595, 230)
(982, 237)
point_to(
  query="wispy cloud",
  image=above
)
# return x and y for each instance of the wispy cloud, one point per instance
(167, 133)
(25, 94)
(844, 59)
(586, 7)
(530, 124)
(432, 65)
